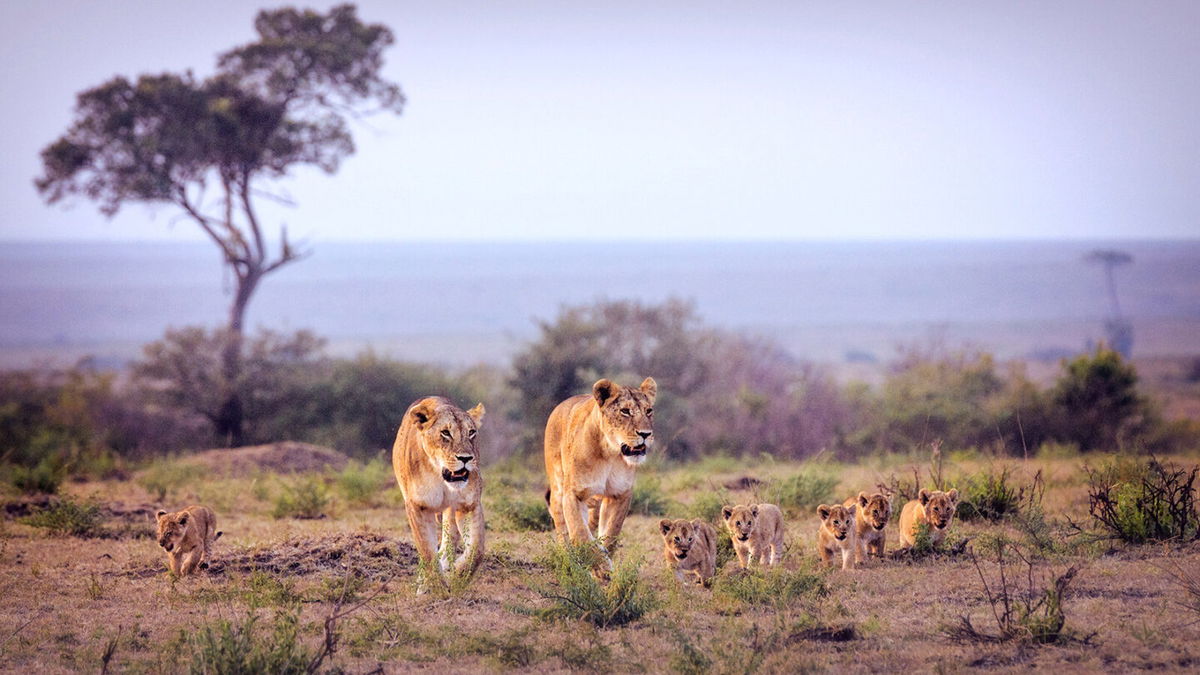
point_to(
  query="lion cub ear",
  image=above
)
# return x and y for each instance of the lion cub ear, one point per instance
(604, 390)
(862, 499)
(476, 414)
(726, 511)
(853, 508)
(953, 495)
(664, 525)
(650, 388)
(160, 514)
(183, 519)
(923, 496)
(422, 412)
(823, 511)
(754, 510)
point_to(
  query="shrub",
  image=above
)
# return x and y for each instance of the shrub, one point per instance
(802, 492)
(577, 593)
(648, 497)
(1138, 503)
(707, 506)
(364, 483)
(225, 646)
(69, 517)
(45, 477)
(1099, 402)
(165, 476)
(522, 512)
(305, 498)
(988, 495)
(773, 587)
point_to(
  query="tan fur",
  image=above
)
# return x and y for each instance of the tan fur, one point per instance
(585, 460)
(187, 537)
(870, 521)
(435, 444)
(756, 531)
(838, 521)
(935, 508)
(690, 548)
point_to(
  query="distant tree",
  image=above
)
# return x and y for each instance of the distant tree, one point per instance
(1098, 400)
(272, 105)
(1118, 329)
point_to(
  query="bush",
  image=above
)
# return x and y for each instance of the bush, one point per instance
(707, 506)
(364, 483)
(305, 498)
(1099, 402)
(69, 517)
(773, 587)
(44, 478)
(988, 495)
(1139, 503)
(165, 476)
(578, 595)
(522, 512)
(225, 646)
(648, 497)
(802, 492)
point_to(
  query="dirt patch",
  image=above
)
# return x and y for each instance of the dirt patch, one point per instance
(25, 505)
(373, 555)
(285, 457)
(825, 634)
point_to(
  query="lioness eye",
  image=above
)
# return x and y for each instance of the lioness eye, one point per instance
(649, 411)
(626, 412)
(471, 434)
(446, 434)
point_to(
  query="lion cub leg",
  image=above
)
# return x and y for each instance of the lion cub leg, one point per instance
(191, 560)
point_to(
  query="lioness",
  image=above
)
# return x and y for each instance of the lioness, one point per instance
(936, 508)
(837, 534)
(187, 537)
(594, 444)
(690, 546)
(871, 518)
(755, 529)
(437, 467)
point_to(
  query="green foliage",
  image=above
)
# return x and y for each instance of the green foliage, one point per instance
(69, 517)
(1099, 401)
(922, 541)
(772, 587)
(1144, 502)
(364, 483)
(523, 512)
(225, 646)
(802, 492)
(511, 649)
(707, 506)
(166, 476)
(988, 495)
(304, 498)
(648, 497)
(577, 594)
(44, 478)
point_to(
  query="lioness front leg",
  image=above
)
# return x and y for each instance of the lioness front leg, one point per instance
(613, 511)
(555, 504)
(449, 542)
(471, 526)
(575, 514)
(424, 523)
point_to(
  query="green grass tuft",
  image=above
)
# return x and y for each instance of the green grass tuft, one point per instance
(577, 594)
(69, 517)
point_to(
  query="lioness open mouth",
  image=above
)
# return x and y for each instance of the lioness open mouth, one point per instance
(455, 476)
(635, 451)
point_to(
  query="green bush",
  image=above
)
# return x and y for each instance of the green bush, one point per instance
(577, 594)
(1139, 503)
(69, 517)
(523, 512)
(225, 646)
(1099, 401)
(45, 477)
(707, 506)
(165, 476)
(802, 492)
(988, 495)
(304, 498)
(648, 497)
(364, 483)
(773, 586)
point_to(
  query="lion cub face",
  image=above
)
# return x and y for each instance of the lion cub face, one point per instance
(876, 510)
(627, 417)
(447, 435)
(836, 520)
(172, 528)
(939, 507)
(740, 520)
(678, 536)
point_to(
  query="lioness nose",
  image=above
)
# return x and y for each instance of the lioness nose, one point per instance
(644, 434)
(464, 460)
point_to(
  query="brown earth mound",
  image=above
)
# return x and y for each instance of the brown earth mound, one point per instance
(284, 457)
(372, 555)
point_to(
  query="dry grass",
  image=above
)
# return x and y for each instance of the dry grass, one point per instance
(73, 604)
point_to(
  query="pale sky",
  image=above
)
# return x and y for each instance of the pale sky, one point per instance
(683, 120)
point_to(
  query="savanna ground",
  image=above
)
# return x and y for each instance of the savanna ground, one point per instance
(105, 599)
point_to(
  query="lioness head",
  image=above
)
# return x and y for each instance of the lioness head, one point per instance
(939, 507)
(837, 519)
(876, 509)
(627, 417)
(171, 528)
(678, 535)
(447, 435)
(740, 520)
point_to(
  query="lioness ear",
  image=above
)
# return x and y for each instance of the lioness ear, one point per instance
(476, 414)
(726, 511)
(160, 514)
(823, 511)
(664, 525)
(862, 499)
(923, 496)
(754, 510)
(604, 390)
(953, 495)
(650, 388)
(422, 412)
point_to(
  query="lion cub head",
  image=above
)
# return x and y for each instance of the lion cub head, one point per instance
(627, 417)
(939, 507)
(740, 520)
(172, 528)
(447, 435)
(678, 536)
(837, 520)
(876, 509)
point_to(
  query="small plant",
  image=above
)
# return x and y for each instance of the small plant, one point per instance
(513, 649)
(1144, 503)
(227, 646)
(521, 512)
(1033, 614)
(689, 659)
(69, 517)
(773, 587)
(707, 505)
(802, 492)
(577, 594)
(95, 589)
(989, 495)
(44, 478)
(166, 476)
(305, 499)
(648, 498)
(362, 483)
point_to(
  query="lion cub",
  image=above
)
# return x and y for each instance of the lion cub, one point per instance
(837, 534)
(187, 536)
(755, 528)
(870, 520)
(936, 508)
(690, 546)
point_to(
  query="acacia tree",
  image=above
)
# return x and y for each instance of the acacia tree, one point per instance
(207, 146)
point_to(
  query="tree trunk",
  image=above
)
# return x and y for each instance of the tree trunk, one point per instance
(231, 416)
